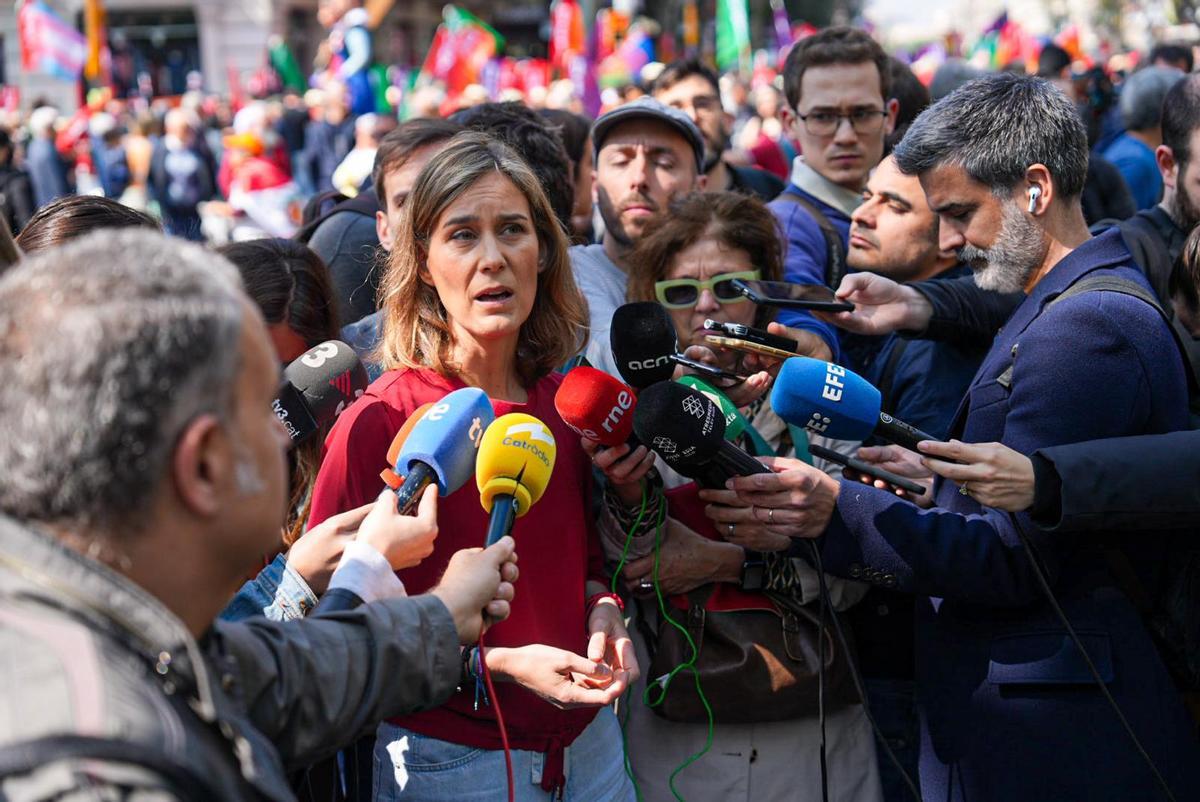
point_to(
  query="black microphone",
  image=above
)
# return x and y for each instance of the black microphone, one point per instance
(644, 343)
(317, 386)
(687, 430)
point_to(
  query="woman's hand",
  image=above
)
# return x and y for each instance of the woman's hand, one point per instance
(796, 498)
(686, 561)
(562, 678)
(609, 643)
(898, 460)
(623, 469)
(881, 306)
(404, 540)
(316, 553)
(992, 473)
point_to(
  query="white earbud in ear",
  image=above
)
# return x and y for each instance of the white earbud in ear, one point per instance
(1034, 194)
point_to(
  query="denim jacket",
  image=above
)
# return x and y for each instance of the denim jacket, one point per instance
(278, 593)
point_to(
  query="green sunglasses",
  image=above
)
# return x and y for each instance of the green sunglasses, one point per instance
(680, 293)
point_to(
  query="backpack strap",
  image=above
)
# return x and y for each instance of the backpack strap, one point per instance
(835, 250)
(1107, 283)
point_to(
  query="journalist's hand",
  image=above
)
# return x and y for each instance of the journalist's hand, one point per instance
(992, 473)
(316, 553)
(623, 468)
(881, 306)
(562, 678)
(795, 498)
(899, 460)
(479, 581)
(404, 540)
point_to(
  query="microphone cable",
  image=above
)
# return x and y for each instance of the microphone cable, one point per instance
(1038, 572)
(491, 689)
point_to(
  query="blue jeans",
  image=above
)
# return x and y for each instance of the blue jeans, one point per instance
(410, 766)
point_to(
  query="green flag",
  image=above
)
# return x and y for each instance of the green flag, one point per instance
(733, 34)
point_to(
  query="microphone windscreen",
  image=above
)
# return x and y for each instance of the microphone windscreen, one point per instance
(293, 413)
(826, 399)
(516, 458)
(643, 341)
(447, 436)
(735, 422)
(389, 476)
(679, 423)
(596, 405)
(329, 376)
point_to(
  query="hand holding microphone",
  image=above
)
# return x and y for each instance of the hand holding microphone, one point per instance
(600, 408)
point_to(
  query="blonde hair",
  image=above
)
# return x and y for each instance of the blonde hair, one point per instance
(415, 332)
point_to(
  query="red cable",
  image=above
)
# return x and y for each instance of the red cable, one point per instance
(487, 679)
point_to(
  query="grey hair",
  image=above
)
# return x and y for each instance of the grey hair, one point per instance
(1143, 94)
(994, 128)
(951, 75)
(109, 347)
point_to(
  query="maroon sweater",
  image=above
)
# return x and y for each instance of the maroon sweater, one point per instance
(556, 540)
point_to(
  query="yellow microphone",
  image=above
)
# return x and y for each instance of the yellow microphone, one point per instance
(516, 458)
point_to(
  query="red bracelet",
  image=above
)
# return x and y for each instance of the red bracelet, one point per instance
(594, 599)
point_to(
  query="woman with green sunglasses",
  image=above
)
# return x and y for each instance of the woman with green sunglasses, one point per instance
(687, 261)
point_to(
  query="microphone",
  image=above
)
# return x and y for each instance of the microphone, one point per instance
(516, 458)
(597, 406)
(735, 422)
(831, 400)
(643, 342)
(390, 477)
(317, 386)
(688, 431)
(442, 444)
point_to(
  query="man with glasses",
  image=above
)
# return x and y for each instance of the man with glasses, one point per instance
(647, 155)
(836, 84)
(692, 87)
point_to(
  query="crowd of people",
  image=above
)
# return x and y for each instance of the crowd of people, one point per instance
(194, 607)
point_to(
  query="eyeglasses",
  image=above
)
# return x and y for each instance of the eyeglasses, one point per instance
(681, 293)
(825, 123)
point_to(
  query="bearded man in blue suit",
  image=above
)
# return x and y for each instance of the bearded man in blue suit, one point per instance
(1009, 709)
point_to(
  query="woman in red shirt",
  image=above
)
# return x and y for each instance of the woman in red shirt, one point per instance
(479, 293)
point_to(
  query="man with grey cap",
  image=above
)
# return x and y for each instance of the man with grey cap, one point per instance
(647, 154)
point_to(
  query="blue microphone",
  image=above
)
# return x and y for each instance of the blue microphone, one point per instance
(442, 445)
(834, 401)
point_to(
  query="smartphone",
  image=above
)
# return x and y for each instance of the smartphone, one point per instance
(707, 370)
(747, 346)
(792, 296)
(867, 469)
(753, 335)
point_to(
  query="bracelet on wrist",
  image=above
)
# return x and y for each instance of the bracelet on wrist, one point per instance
(595, 599)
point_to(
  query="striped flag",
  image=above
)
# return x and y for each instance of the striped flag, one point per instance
(48, 44)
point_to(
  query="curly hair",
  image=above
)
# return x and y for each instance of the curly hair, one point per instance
(737, 221)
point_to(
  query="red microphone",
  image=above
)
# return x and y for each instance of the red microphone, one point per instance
(597, 406)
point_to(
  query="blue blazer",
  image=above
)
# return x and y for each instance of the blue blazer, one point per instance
(1008, 708)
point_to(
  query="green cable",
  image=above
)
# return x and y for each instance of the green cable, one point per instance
(625, 697)
(690, 664)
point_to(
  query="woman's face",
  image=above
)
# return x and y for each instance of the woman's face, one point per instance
(708, 258)
(483, 261)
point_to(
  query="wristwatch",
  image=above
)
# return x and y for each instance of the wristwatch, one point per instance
(754, 571)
